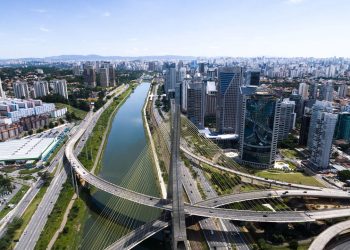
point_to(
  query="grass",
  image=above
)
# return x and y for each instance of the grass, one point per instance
(29, 171)
(29, 213)
(303, 246)
(55, 218)
(293, 177)
(71, 235)
(15, 199)
(78, 112)
(292, 154)
(90, 150)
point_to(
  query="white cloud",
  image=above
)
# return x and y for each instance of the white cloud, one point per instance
(39, 10)
(106, 14)
(43, 29)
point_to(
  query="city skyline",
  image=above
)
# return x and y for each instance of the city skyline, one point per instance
(276, 28)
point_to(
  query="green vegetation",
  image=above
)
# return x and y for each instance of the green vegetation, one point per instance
(15, 199)
(71, 235)
(29, 171)
(222, 182)
(293, 177)
(55, 218)
(164, 172)
(78, 113)
(290, 142)
(344, 175)
(7, 238)
(90, 150)
(5, 184)
(289, 153)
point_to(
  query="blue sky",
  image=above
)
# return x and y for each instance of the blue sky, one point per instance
(318, 28)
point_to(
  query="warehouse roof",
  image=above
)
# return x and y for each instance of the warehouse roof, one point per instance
(25, 149)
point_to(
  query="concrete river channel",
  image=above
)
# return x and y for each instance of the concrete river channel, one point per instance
(126, 162)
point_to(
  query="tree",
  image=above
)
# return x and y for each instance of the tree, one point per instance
(293, 245)
(51, 125)
(30, 132)
(344, 175)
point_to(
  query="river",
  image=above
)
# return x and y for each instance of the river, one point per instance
(126, 141)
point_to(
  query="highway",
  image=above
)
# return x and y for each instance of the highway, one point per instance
(138, 235)
(321, 241)
(37, 223)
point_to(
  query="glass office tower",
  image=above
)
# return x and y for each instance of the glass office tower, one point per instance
(259, 128)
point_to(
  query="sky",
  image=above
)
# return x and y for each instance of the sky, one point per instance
(237, 28)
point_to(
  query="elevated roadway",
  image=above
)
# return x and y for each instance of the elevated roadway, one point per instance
(321, 241)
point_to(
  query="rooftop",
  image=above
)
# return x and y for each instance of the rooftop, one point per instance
(24, 149)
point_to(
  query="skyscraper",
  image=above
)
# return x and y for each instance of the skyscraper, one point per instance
(89, 75)
(303, 90)
(210, 99)
(287, 119)
(41, 88)
(170, 79)
(313, 91)
(304, 129)
(253, 78)
(342, 90)
(104, 77)
(228, 113)
(184, 89)
(342, 130)
(322, 126)
(195, 103)
(21, 90)
(326, 92)
(2, 92)
(60, 88)
(259, 127)
(111, 71)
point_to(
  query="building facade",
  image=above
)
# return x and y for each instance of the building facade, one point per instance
(259, 129)
(229, 99)
(321, 131)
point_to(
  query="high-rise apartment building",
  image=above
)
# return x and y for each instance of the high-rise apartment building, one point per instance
(322, 126)
(41, 88)
(303, 90)
(196, 103)
(2, 92)
(313, 91)
(326, 91)
(60, 88)
(342, 90)
(229, 103)
(89, 75)
(259, 127)
(287, 119)
(21, 90)
(104, 77)
(111, 72)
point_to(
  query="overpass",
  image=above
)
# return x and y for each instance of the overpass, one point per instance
(321, 241)
(209, 208)
(205, 211)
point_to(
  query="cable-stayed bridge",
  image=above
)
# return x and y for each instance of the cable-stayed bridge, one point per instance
(208, 208)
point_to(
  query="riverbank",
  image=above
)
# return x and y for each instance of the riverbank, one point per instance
(70, 233)
(162, 185)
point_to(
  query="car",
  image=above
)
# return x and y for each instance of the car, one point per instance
(305, 192)
(210, 211)
(265, 215)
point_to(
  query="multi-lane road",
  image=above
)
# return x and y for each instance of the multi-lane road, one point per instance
(34, 228)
